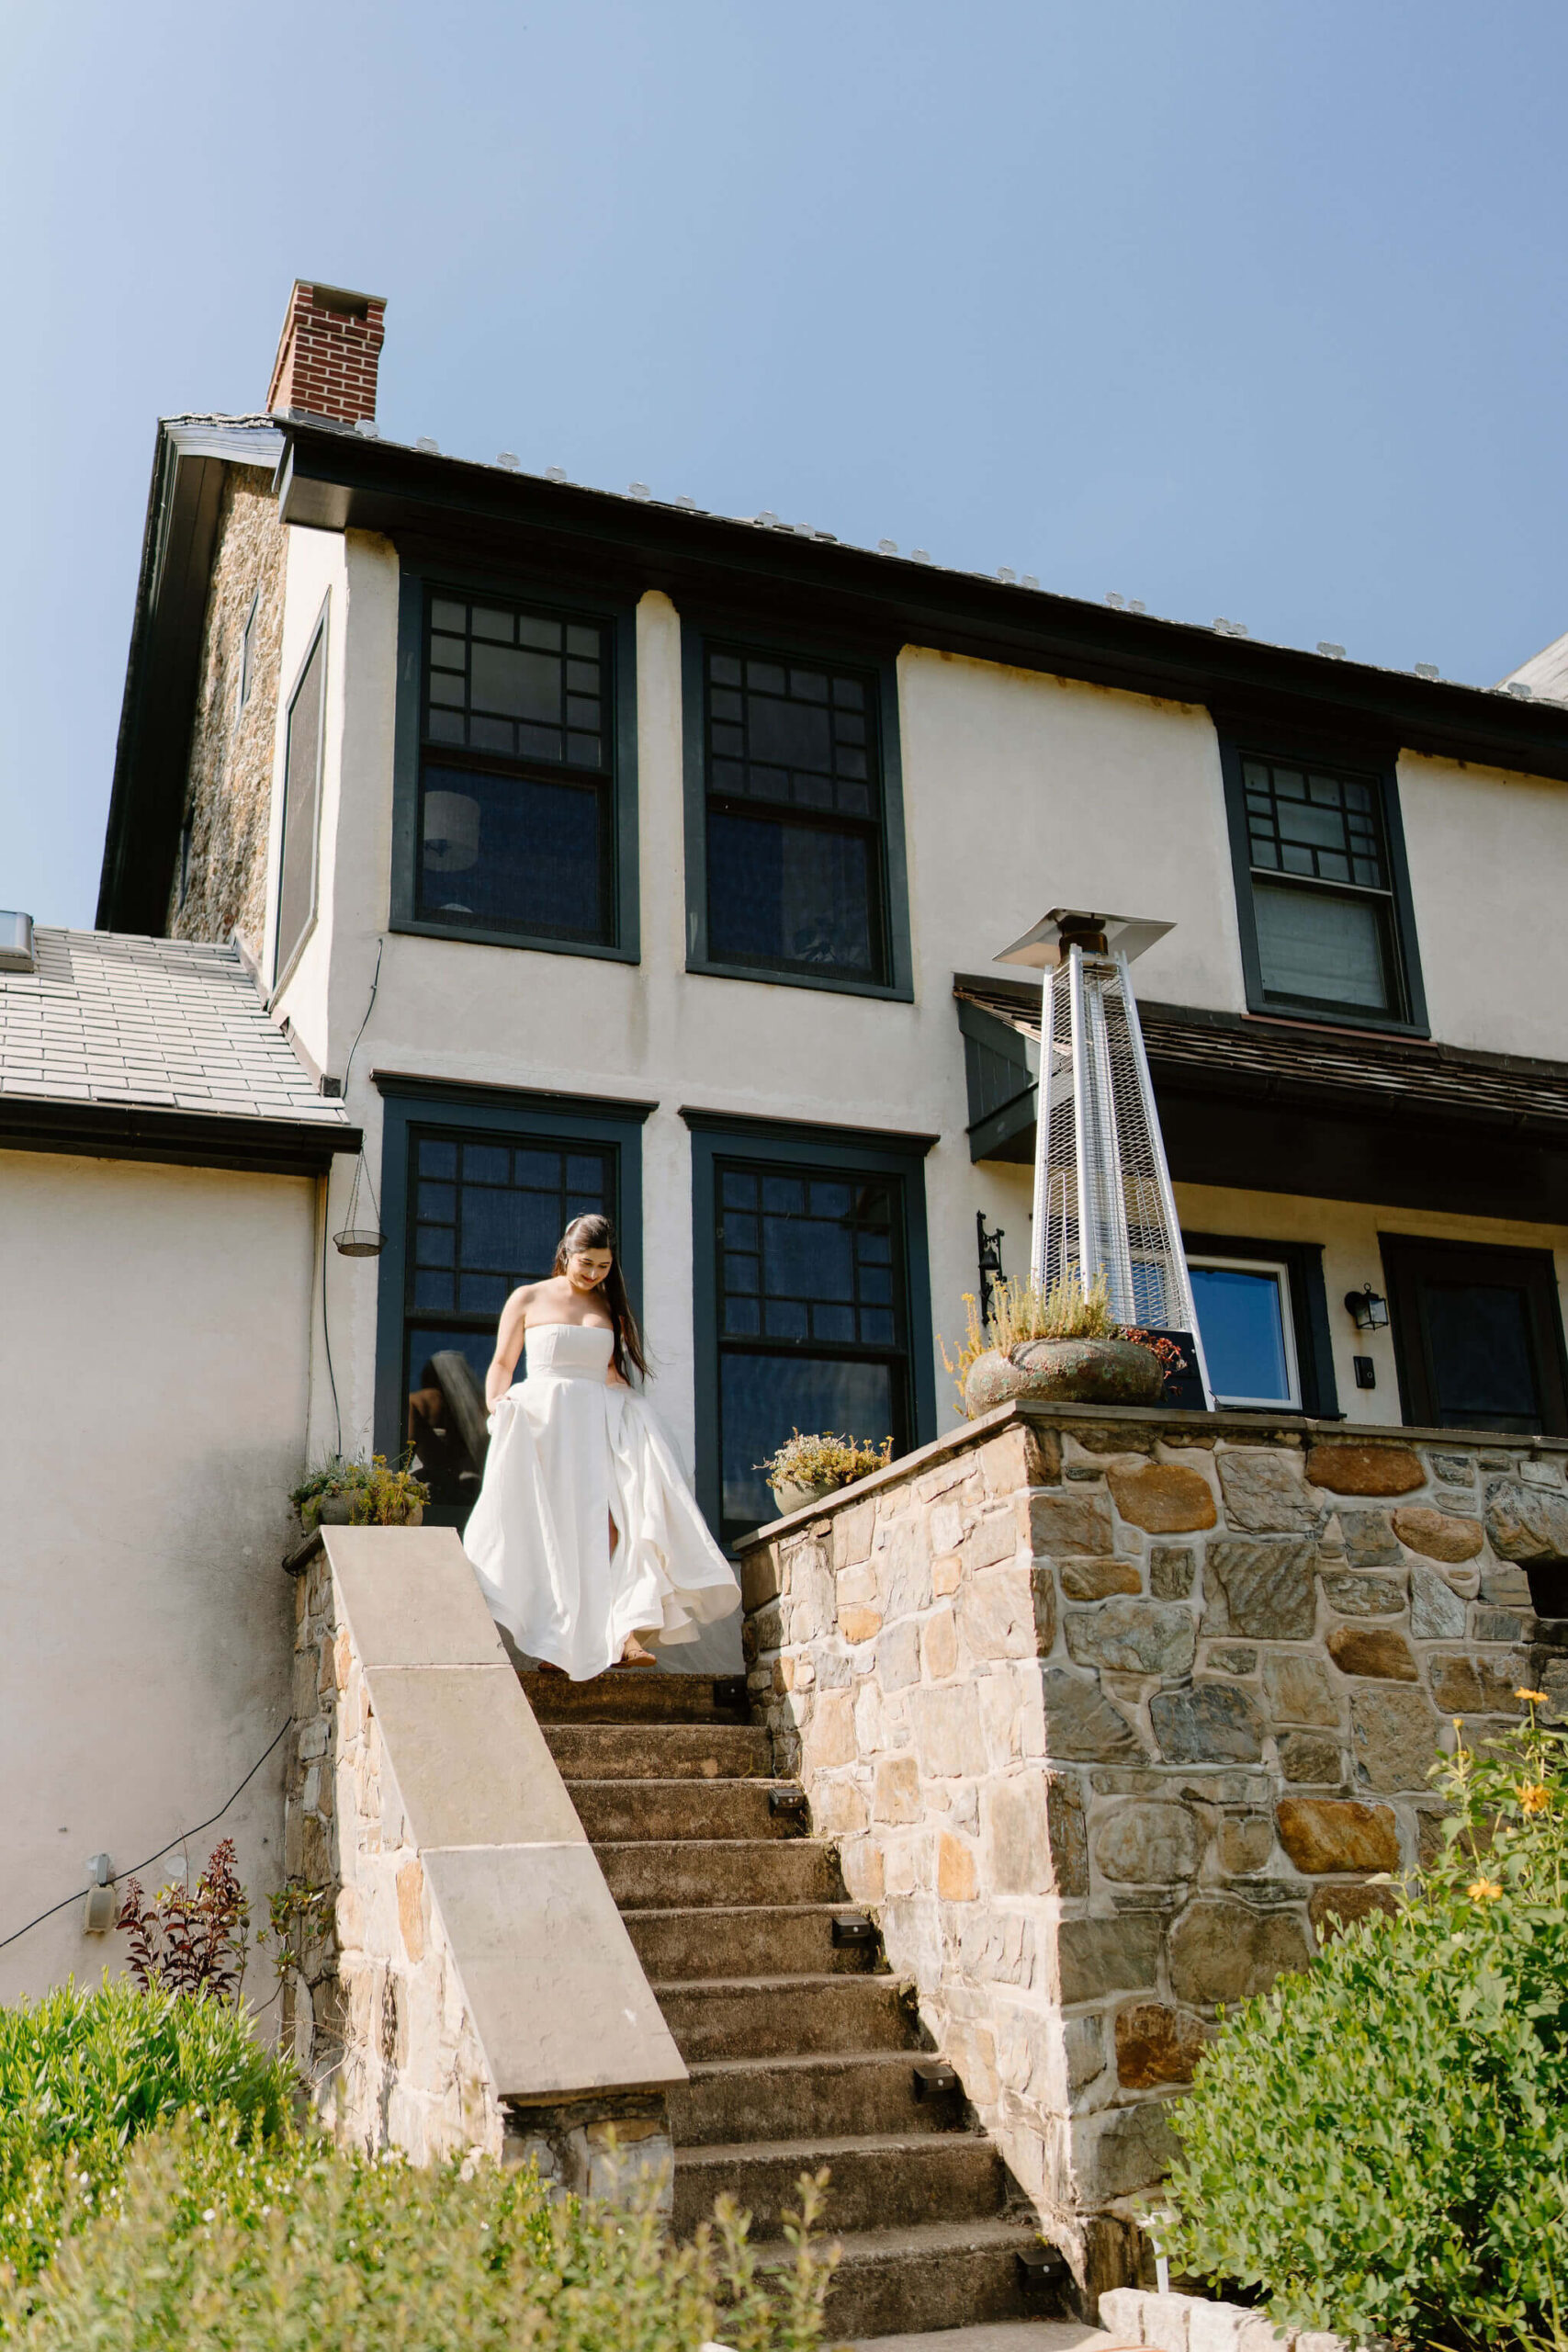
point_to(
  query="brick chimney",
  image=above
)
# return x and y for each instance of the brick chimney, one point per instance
(328, 354)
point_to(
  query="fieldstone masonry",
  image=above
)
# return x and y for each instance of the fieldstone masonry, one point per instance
(1116, 1714)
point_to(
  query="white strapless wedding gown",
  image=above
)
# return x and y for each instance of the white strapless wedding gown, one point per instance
(567, 1452)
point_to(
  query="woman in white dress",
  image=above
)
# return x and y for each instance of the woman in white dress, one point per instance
(586, 1539)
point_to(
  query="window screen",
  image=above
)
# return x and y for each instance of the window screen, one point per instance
(301, 803)
(1322, 888)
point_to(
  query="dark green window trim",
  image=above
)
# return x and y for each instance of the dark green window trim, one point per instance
(1302, 1262)
(868, 1152)
(285, 953)
(1378, 767)
(696, 632)
(414, 1105)
(419, 581)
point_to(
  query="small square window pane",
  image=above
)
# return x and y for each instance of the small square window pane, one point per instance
(1241, 1316)
(485, 1163)
(725, 705)
(836, 1324)
(581, 1205)
(495, 627)
(437, 1201)
(487, 734)
(585, 1172)
(580, 639)
(435, 1245)
(875, 1328)
(433, 1290)
(784, 1318)
(1325, 789)
(447, 689)
(874, 1249)
(741, 1317)
(437, 1158)
(741, 1232)
(481, 1294)
(829, 1200)
(877, 1285)
(810, 684)
(1289, 786)
(766, 677)
(583, 677)
(1333, 865)
(545, 636)
(740, 1188)
(742, 1274)
(585, 751)
(849, 727)
(1358, 795)
(724, 669)
(728, 776)
(538, 742)
(854, 799)
(1294, 859)
(445, 727)
(444, 614)
(783, 1195)
(813, 792)
(537, 1172)
(849, 763)
(583, 710)
(449, 653)
(849, 694)
(1368, 872)
(730, 741)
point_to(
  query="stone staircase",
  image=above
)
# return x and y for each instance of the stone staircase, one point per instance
(803, 2050)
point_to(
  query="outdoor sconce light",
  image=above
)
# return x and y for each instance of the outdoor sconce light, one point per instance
(1368, 1308)
(102, 1905)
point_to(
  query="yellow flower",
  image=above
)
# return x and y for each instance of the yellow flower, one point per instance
(1534, 1797)
(1536, 1698)
(1485, 1890)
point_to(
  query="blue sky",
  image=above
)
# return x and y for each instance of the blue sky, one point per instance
(1244, 307)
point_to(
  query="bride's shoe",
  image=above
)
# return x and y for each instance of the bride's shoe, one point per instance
(633, 1654)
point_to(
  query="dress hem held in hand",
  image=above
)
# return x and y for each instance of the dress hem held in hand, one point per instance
(570, 1453)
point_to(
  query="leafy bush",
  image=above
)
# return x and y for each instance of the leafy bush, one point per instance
(1380, 2147)
(377, 1495)
(1070, 1309)
(215, 2245)
(820, 1459)
(185, 1942)
(83, 2074)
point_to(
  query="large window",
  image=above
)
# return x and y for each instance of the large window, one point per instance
(301, 803)
(793, 839)
(811, 1303)
(515, 771)
(1263, 1319)
(1325, 917)
(1478, 1334)
(479, 1192)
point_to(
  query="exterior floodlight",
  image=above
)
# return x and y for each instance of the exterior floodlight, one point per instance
(1104, 1202)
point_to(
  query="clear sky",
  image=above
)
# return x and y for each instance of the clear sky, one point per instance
(1244, 307)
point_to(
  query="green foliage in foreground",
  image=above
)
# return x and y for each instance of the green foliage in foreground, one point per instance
(84, 2073)
(214, 2246)
(1380, 2147)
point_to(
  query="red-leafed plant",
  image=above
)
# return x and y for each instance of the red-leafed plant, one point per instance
(184, 1942)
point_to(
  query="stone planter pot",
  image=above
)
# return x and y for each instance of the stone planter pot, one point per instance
(790, 1497)
(1063, 1371)
(338, 1511)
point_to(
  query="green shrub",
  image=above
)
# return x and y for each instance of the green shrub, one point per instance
(83, 2074)
(215, 2247)
(1380, 2147)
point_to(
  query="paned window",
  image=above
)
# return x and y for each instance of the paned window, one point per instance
(1247, 1325)
(794, 827)
(516, 818)
(301, 803)
(812, 1317)
(1322, 888)
(486, 1211)
(1478, 1332)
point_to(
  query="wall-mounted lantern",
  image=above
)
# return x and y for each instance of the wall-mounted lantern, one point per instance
(101, 1908)
(1368, 1308)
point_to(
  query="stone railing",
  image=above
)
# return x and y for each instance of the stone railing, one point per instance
(461, 1977)
(1114, 1713)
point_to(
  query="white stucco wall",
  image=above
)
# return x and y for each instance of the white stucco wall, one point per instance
(153, 1394)
(1021, 792)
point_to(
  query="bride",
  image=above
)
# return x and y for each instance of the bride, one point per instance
(586, 1538)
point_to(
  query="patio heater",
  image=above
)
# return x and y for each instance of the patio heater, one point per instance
(1103, 1195)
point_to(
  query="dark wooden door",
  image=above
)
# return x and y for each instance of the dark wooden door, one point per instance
(1478, 1335)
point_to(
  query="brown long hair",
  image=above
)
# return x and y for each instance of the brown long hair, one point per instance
(596, 1232)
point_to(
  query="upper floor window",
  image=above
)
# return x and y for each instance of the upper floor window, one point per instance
(301, 803)
(516, 828)
(795, 859)
(1325, 917)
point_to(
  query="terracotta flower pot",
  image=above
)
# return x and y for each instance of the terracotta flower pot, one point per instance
(1063, 1371)
(789, 1495)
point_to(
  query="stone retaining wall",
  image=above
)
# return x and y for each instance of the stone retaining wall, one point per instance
(1115, 1714)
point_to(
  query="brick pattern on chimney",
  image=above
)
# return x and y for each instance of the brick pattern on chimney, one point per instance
(329, 354)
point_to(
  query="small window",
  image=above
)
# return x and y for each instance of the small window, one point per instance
(516, 814)
(1247, 1321)
(1478, 1334)
(301, 804)
(247, 655)
(1325, 921)
(812, 1321)
(795, 823)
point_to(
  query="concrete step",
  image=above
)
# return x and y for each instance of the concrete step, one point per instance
(806, 2096)
(933, 2275)
(631, 1694)
(737, 1940)
(675, 1872)
(787, 2017)
(886, 2182)
(660, 1752)
(625, 1810)
(999, 2336)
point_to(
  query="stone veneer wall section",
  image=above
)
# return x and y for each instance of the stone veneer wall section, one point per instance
(1115, 1714)
(465, 1981)
(228, 800)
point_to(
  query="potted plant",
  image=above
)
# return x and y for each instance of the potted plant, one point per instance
(1061, 1347)
(342, 1493)
(803, 1469)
